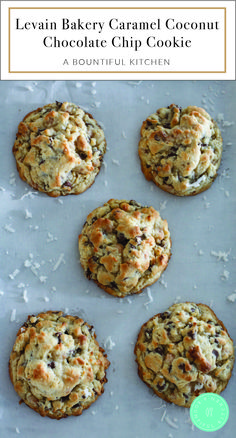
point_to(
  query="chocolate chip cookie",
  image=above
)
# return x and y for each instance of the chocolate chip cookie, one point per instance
(56, 365)
(59, 149)
(180, 149)
(184, 352)
(124, 246)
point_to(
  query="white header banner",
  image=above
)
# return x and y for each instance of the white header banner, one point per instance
(118, 40)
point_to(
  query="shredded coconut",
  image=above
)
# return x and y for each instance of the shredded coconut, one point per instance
(13, 315)
(17, 430)
(109, 344)
(171, 423)
(150, 298)
(51, 238)
(1, 292)
(232, 297)
(163, 416)
(225, 275)
(2, 189)
(87, 393)
(14, 274)
(9, 228)
(115, 162)
(163, 205)
(25, 298)
(59, 261)
(28, 214)
(30, 194)
(221, 255)
(46, 299)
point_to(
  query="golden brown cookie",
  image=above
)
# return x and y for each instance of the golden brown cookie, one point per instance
(59, 149)
(124, 246)
(56, 365)
(180, 149)
(184, 352)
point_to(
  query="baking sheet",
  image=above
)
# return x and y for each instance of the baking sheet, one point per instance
(40, 263)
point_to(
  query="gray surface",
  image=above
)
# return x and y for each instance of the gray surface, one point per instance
(198, 226)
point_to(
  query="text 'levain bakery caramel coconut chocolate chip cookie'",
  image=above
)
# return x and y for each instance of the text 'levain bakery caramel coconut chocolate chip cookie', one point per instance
(180, 149)
(184, 352)
(59, 149)
(124, 246)
(56, 365)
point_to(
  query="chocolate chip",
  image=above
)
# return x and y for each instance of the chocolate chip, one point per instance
(215, 352)
(159, 350)
(170, 368)
(132, 246)
(78, 350)
(95, 258)
(134, 203)
(191, 334)
(164, 315)
(88, 274)
(148, 123)
(148, 334)
(51, 365)
(58, 334)
(94, 219)
(113, 285)
(122, 239)
(59, 104)
(82, 155)
(185, 396)
(156, 137)
(65, 398)
(78, 405)
(181, 366)
(161, 387)
(67, 184)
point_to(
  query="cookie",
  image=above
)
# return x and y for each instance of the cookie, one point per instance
(59, 149)
(56, 365)
(124, 247)
(180, 149)
(184, 352)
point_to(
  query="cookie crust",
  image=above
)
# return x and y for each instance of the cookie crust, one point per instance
(180, 149)
(59, 149)
(56, 365)
(184, 352)
(124, 247)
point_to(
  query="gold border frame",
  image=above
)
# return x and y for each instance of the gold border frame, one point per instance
(105, 72)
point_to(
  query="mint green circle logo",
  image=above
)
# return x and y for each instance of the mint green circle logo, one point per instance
(209, 412)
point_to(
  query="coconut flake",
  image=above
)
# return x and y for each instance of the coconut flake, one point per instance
(150, 298)
(116, 162)
(59, 261)
(14, 274)
(171, 423)
(28, 214)
(9, 228)
(25, 298)
(232, 297)
(109, 344)
(13, 315)
(225, 275)
(221, 255)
